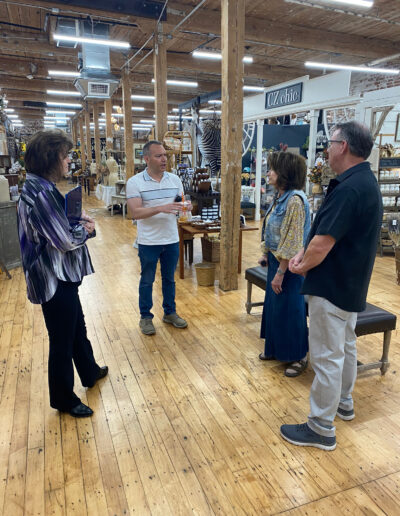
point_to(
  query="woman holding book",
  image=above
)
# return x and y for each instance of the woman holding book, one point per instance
(55, 260)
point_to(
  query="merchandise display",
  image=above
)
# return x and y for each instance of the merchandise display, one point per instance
(389, 183)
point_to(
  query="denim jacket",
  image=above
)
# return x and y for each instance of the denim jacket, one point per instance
(272, 230)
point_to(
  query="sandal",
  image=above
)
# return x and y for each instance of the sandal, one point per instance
(261, 356)
(296, 368)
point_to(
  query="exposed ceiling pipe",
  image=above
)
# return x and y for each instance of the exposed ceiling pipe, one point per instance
(307, 3)
(172, 31)
(384, 59)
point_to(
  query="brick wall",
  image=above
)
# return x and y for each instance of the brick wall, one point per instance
(362, 82)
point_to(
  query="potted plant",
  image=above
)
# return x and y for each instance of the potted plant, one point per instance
(315, 177)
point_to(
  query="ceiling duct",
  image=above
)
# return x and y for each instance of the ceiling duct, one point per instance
(96, 80)
(67, 27)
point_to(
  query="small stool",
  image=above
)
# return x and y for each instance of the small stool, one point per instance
(119, 199)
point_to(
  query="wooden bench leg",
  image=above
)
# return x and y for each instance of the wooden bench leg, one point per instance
(385, 354)
(248, 302)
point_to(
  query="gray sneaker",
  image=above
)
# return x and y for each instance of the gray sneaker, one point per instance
(302, 435)
(147, 326)
(175, 320)
(346, 415)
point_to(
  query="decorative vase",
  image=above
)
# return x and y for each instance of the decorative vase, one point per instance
(316, 189)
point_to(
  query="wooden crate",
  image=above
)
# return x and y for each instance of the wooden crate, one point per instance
(210, 250)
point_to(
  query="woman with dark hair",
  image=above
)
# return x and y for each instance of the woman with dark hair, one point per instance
(55, 260)
(286, 226)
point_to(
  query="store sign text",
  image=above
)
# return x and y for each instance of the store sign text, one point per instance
(284, 96)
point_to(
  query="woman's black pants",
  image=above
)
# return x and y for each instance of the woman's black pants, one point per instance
(68, 342)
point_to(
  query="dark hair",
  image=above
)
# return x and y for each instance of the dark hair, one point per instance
(290, 168)
(44, 153)
(357, 136)
(146, 146)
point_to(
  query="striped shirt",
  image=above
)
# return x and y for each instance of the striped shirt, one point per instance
(160, 229)
(51, 249)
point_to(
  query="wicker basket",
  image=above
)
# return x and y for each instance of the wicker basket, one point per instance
(205, 274)
(210, 250)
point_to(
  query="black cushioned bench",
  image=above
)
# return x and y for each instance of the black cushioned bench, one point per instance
(371, 320)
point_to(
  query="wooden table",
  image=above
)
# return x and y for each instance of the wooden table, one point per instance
(188, 229)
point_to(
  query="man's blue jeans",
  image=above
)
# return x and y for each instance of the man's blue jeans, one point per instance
(149, 256)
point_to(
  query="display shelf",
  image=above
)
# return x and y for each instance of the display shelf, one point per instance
(385, 245)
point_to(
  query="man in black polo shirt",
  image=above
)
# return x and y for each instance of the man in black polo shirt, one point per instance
(337, 263)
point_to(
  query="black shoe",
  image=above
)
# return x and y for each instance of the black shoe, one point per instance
(81, 410)
(103, 372)
(261, 356)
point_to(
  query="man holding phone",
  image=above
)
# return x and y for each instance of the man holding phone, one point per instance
(155, 198)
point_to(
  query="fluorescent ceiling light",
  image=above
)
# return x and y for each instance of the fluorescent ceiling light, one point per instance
(9, 110)
(173, 82)
(134, 108)
(215, 102)
(93, 41)
(253, 88)
(357, 3)
(146, 121)
(64, 92)
(64, 104)
(140, 128)
(367, 69)
(12, 116)
(55, 111)
(143, 97)
(64, 73)
(216, 55)
(210, 111)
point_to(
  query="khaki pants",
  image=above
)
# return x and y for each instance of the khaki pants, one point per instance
(333, 356)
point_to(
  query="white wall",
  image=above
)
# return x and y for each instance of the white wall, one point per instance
(329, 90)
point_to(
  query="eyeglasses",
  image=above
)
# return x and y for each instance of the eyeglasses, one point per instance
(334, 141)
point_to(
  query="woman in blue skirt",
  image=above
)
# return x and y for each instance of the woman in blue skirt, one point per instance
(285, 229)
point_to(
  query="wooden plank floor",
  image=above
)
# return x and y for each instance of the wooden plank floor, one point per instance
(187, 422)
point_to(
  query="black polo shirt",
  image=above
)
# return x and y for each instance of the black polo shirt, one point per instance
(352, 214)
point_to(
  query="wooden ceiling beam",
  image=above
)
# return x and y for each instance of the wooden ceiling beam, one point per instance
(40, 96)
(188, 62)
(276, 32)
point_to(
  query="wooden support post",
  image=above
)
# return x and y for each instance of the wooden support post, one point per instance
(232, 36)
(109, 134)
(73, 132)
(97, 153)
(128, 137)
(88, 136)
(82, 140)
(160, 84)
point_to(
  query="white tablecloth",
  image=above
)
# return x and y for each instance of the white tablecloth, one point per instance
(104, 193)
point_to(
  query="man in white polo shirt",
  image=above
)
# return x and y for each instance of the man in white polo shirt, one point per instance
(151, 197)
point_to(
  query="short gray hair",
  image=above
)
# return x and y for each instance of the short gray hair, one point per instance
(357, 136)
(146, 146)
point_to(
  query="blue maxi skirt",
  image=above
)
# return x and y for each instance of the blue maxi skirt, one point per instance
(284, 322)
